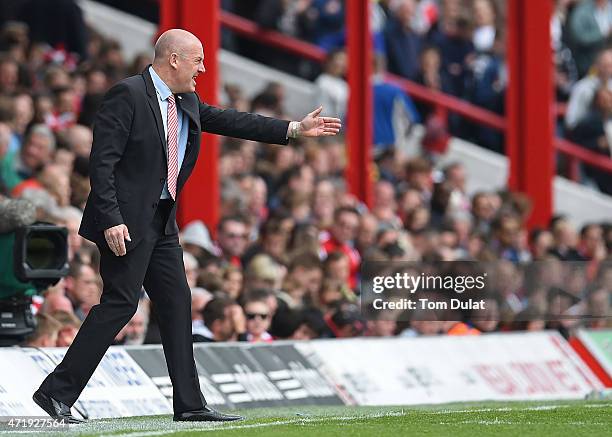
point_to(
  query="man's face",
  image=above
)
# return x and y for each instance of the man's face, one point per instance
(136, 328)
(86, 288)
(233, 238)
(188, 65)
(5, 138)
(345, 228)
(66, 335)
(36, 152)
(9, 75)
(223, 329)
(258, 317)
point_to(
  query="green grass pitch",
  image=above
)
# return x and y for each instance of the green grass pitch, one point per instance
(562, 418)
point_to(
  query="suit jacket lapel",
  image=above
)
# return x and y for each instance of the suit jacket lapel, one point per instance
(154, 105)
(190, 106)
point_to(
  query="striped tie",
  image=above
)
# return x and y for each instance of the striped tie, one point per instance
(172, 146)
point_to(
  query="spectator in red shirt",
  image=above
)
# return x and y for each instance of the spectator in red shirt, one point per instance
(341, 237)
(232, 239)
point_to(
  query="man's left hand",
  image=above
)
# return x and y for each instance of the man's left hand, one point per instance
(315, 126)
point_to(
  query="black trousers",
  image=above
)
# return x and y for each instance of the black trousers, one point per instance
(156, 262)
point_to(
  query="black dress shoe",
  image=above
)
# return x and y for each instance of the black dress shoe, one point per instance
(56, 409)
(206, 414)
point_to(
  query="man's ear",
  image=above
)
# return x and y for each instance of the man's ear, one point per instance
(69, 283)
(173, 60)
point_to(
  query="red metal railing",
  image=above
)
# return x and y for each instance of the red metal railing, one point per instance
(442, 102)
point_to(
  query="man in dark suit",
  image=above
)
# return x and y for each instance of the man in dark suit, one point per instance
(146, 142)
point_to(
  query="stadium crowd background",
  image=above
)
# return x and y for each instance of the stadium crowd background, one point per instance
(285, 259)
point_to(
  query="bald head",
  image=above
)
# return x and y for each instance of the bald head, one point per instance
(174, 41)
(179, 59)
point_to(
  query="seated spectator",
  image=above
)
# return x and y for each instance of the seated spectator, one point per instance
(70, 326)
(388, 100)
(380, 328)
(328, 22)
(36, 152)
(418, 176)
(258, 318)
(452, 36)
(331, 293)
(223, 321)
(56, 301)
(484, 210)
(70, 217)
(346, 321)
(590, 25)
(591, 245)
(509, 242)
(332, 88)
(455, 175)
(191, 269)
(304, 324)
(45, 334)
(433, 76)
(24, 114)
(485, 31)
(486, 84)
(199, 298)
(385, 205)
(583, 93)
(594, 132)
(51, 178)
(195, 239)
(135, 331)
(82, 288)
(272, 242)
(487, 319)
(63, 115)
(366, 234)
(80, 139)
(232, 282)
(341, 239)
(323, 203)
(232, 239)
(541, 242)
(566, 240)
(264, 272)
(403, 45)
(530, 319)
(422, 322)
(9, 75)
(304, 278)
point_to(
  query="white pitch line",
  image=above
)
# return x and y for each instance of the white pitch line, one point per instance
(505, 409)
(255, 425)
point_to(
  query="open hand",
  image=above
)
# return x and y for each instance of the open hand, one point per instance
(315, 126)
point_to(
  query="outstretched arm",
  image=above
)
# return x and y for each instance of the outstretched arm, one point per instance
(232, 123)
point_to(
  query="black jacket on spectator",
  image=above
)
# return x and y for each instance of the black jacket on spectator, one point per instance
(128, 165)
(403, 49)
(588, 133)
(57, 22)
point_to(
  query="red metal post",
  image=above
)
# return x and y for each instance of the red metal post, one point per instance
(529, 107)
(168, 15)
(200, 199)
(359, 120)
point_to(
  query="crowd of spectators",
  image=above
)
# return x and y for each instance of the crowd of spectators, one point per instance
(284, 260)
(453, 46)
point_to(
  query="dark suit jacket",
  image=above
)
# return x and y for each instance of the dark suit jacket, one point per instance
(128, 162)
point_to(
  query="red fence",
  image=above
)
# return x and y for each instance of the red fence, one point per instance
(574, 153)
